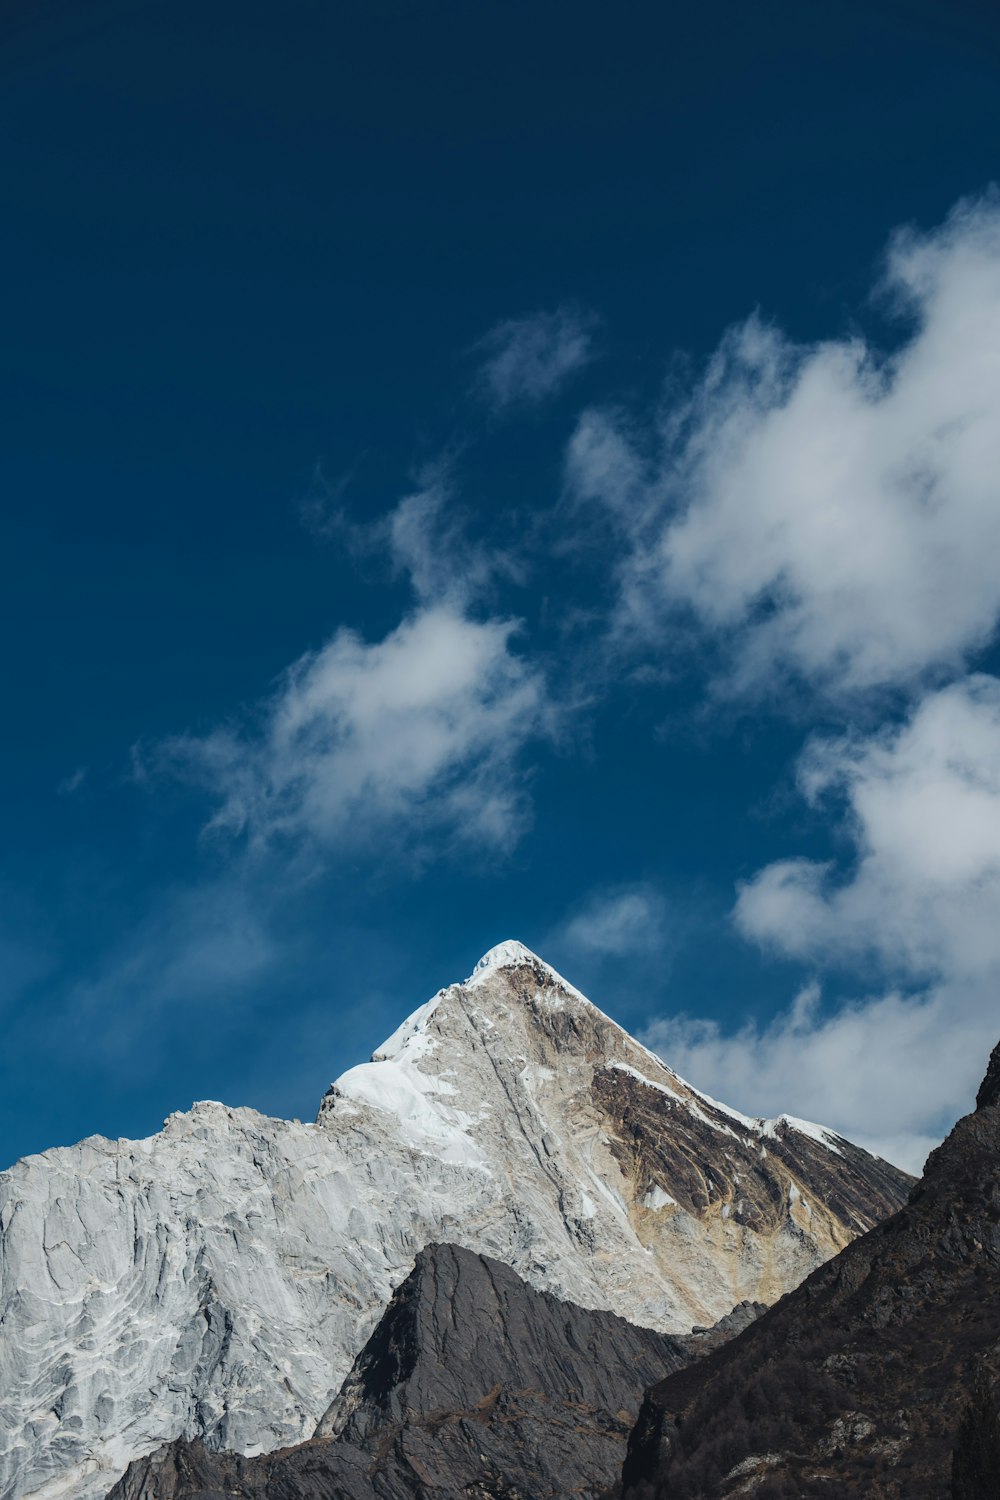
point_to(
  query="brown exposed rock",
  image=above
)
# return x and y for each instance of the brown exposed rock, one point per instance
(746, 1176)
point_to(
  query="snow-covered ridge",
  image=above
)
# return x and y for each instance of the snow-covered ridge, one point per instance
(218, 1278)
(687, 1095)
(819, 1133)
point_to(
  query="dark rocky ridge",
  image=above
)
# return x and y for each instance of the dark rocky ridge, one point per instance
(473, 1384)
(852, 1385)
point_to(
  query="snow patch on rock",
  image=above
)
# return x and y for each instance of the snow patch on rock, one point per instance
(657, 1198)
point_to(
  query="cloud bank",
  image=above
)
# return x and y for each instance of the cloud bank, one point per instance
(822, 516)
(829, 517)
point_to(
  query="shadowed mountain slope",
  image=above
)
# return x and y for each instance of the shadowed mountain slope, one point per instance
(472, 1384)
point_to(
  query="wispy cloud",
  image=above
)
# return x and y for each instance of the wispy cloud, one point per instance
(323, 509)
(627, 921)
(206, 944)
(821, 511)
(428, 537)
(530, 359)
(414, 735)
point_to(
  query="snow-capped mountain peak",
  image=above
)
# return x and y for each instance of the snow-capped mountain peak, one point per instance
(505, 955)
(218, 1279)
(514, 955)
(518, 1043)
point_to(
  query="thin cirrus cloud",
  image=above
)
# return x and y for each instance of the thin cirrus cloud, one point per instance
(207, 944)
(825, 513)
(425, 537)
(921, 805)
(624, 922)
(414, 736)
(530, 359)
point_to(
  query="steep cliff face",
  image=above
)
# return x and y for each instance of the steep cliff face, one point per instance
(472, 1384)
(854, 1384)
(218, 1279)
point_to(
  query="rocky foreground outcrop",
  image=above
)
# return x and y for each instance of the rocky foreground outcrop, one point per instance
(854, 1385)
(472, 1384)
(218, 1279)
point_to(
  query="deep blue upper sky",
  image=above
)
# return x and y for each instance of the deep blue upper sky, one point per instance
(249, 255)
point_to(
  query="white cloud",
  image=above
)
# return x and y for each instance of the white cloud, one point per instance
(921, 806)
(530, 359)
(417, 734)
(427, 536)
(923, 810)
(822, 511)
(424, 540)
(618, 923)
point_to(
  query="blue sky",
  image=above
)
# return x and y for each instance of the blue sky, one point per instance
(479, 471)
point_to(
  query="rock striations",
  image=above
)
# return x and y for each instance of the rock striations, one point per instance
(472, 1384)
(853, 1386)
(218, 1279)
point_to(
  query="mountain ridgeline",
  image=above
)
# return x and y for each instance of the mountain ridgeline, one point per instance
(216, 1282)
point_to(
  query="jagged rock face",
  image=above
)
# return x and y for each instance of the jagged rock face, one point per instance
(989, 1089)
(218, 1279)
(472, 1384)
(853, 1386)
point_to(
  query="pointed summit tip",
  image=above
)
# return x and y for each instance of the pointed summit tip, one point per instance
(514, 955)
(506, 955)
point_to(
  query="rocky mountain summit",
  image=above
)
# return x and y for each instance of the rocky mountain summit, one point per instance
(218, 1279)
(854, 1385)
(472, 1384)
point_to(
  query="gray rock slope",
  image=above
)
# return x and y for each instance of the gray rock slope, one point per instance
(218, 1279)
(472, 1384)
